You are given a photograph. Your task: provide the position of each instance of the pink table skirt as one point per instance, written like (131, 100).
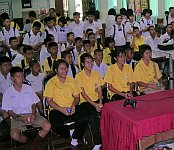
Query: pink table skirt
(122, 127)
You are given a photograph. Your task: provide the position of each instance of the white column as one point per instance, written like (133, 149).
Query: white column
(51, 3)
(160, 9)
(103, 8)
(71, 7)
(119, 5)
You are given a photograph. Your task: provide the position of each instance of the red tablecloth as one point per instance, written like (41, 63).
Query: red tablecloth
(122, 127)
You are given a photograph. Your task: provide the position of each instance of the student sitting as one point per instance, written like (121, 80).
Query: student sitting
(87, 33)
(129, 58)
(50, 61)
(78, 49)
(62, 30)
(5, 80)
(147, 73)
(34, 38)
(20, 55)
(72, 69)
(136, 41)
(62, 94)
(36, 79)
(20, 101)
(98, 65)
(166, 37)
(12, 52)
(50, 29)
(109, 48)
(70, 42)
(90, 83)
(28, 56)
(8, 32)
(119, 77)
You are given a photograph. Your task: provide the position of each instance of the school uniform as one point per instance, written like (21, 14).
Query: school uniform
(5, 83)
(63, 46)
(72, 71)
(110, 21)
(153, 43)
(168, 21)
(76, 55)
(138, 42)
(164, 38)
(13, 32)
(144, 23)
(17, 59)
(53, 32)
(132, 63)
(96, 46)
(93, 26)
(62, 94)
(107, 56)
(62, 34)
(118, 34)
(101, 69)
(27, 27)
(11, 54)
(25, 66)
(36, 81)
(77, 29)
(43, 54)
(129, 27)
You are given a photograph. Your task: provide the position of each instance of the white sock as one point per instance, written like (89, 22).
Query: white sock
(71, 132)
(74, 142)
(97, 147)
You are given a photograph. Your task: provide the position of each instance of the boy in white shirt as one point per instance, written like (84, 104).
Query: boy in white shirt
(167, 36)
(8, 32)
(77, 26)
(19, 56)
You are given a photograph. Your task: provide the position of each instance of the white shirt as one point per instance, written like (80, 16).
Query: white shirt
(132, 63)
(27, 27)
(5, 83)
(129, 27)
(110, 21)
(152, 42)
(170, 20)
(70, 71)
(33, 39)
(13, 53)
(119, 36)
(93, 26)
(76, 55)
(77, 29)
(17, 59)
(101, 69)
(36, 81)
(164, 37)
(65, 45)
(62, 34)
(52, 31)
(7, 34)
(144, 23)
(19, 102)
(44, 54)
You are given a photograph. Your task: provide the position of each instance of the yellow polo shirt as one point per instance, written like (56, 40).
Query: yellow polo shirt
(145, 73)
(89, 84)
(94, 48)
(25, 62)
(46, 66)
(120, 80)
(62, 93)
(138, 42)
(106, 56)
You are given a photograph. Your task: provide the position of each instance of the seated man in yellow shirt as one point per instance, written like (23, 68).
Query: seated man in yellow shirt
(50, 61)
(63, 94)
(136, 41)
(90, 83)
(147, 73)
(119, 77)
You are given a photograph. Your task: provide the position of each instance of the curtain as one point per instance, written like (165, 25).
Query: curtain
(167, 4)
(154, 8)
(112, 4)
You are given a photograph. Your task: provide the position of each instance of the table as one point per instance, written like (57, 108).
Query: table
(122, 127)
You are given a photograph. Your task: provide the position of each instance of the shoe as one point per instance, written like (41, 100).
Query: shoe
(74, 142)
(97, 147)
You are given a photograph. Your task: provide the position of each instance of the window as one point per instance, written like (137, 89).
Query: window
(112, 4)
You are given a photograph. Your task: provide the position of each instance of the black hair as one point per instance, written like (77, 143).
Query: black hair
(48, 39)
(108, 40)
(89, 30)
(116, 53)
(32, 14)
(123, 11)
(7, 18)
(50, 36)
(98, 50)
(58, 62)
(168, 25)
(65, 53)
(20, 45)
(27, 21)
(76, 14)
(47, 19)
(97, 14)
(27, 48)
(78, 39)
(52, 9)
(143, 48)
(58, 14)
(62, 19)
(15, 70)
(112, 11)
(171, 8)
(4, 16)
(150, 27)
(33, 62)
(91, 13)
(37, 24)
(118, 15)
(147, 11)
(130, 12)
(12, 38)
(83, 58)
(4, 59)
(166, 13)
(69, 33)
(135, 28)
(86, 42)
(90, 34)
(54, 19)
(51, 44)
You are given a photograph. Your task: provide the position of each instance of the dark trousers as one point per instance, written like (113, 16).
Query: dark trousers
(58, 121)
(105, 96)
(94, 121)
(117, 97)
